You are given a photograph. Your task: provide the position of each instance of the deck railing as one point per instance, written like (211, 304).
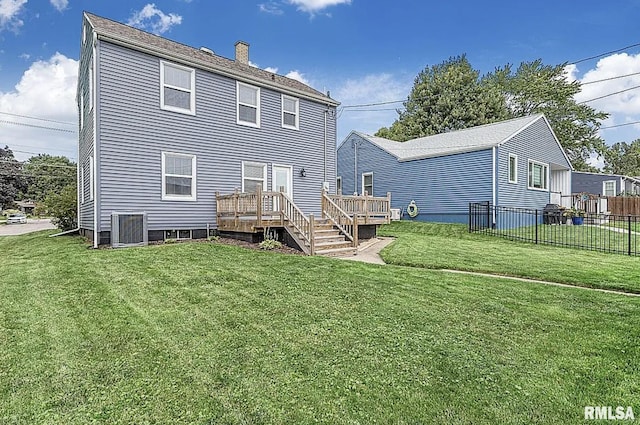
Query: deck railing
(261, 207)
(296, 218)
(347, 224)
(368, 209)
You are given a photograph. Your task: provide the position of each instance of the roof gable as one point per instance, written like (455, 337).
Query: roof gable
(141, 40)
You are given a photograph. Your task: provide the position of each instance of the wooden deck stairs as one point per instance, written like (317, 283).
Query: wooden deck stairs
(327, 239)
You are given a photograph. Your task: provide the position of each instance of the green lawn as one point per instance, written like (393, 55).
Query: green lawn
(201, 333)
(451, 246)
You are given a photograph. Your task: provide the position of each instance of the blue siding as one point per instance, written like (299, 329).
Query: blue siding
(537, 143)
(442, 187)
(85, 132)
(133, 131)
(593, 183)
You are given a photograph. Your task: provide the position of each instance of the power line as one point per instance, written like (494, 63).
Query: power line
(38, 126)
(604, 54)
(38, 165)
(610, 94)
(37, 118)
(40, 147)
(609, 79)
(619, 125)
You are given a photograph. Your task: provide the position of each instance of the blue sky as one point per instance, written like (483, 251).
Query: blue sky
(363, 51)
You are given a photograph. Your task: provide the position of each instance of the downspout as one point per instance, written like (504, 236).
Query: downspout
(494, 196)
(94, 60)
(355, 167)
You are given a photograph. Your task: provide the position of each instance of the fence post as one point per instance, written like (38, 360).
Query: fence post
(259, 206)
(312, 242)
(536, 226)
(629, 233)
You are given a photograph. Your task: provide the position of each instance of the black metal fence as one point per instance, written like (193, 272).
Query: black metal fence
(597, 232)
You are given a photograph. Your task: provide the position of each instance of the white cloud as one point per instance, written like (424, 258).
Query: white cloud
(271, 8)
(152, 19)
(60, 4)
(25, 56)
(623, 107)
(9, 11)
(46, 90)
(297, 75)
(373, 88)
(314, 6)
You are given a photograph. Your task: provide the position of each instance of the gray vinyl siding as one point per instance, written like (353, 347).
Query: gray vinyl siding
(592, 183)
(85, 138)
(536, 142)
(134, 131)
(441, 187)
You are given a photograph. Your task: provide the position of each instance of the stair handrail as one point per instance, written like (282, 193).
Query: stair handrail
(343, 221)
(297, 219)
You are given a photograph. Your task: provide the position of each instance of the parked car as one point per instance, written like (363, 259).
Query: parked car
(17, 219)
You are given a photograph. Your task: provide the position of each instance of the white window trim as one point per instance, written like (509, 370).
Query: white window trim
(515, 180)
(264, 173)
(81, 167)
(370, 173)
(297, 112)
(91, 83)
(91, 178)
(192, 92)
(192, 197)
(531, 161)
(604, 185)
(81, 111)
(338, 189)
(178, 238)
(257, 105)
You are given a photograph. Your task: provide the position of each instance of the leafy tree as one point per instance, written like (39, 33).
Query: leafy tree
(48, 174)
(11, 177)
(623, 158)
(538, 88)
(62, 206)
(446, 97)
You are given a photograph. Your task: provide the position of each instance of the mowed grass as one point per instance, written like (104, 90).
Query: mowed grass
(201, 333)
(451, 246)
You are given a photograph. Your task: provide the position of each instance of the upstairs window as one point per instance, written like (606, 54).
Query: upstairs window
(177, 88)
(248, 98)
(339, 185)
(538, 175)
(513, 169)
(178, 177)
(290, 114)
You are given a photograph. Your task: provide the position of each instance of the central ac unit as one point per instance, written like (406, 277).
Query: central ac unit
(395, 213)
(128, 229)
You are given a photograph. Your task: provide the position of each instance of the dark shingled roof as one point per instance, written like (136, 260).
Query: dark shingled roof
(134, 37)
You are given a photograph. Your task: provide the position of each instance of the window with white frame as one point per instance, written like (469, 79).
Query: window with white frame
(339, 184)
(91, 178)
(178, 176)
(254, 175)
(290, 112)
(248, 100)
(81, 185)
(367, 183)
(177, 88)
(538, 175)
(91, 86)
(513, 168)
(81, 111)
(609, 188)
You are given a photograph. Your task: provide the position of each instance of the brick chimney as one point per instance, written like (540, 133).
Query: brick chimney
(242, 52)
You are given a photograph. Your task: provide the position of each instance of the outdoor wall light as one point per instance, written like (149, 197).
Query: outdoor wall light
(303, 172)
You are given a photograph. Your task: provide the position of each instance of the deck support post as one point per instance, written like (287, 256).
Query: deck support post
(312, 239)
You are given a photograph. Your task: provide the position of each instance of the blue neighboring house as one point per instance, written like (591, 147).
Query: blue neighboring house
(163, 127)
(604, 184)
(514, 163)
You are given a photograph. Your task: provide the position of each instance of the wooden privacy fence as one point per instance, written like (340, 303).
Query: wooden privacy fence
(624, 205)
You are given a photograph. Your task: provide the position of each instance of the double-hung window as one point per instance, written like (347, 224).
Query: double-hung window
(538, 175)
(178, 177)
(177, 88)
(367, 184)
(254, 176)
(513, 168)
(609, 188)
(339, 185)
(248, 100)
(290, 112)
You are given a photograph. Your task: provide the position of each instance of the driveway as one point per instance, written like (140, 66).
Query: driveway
(33, 225)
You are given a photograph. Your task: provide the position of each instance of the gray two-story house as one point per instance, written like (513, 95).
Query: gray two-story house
(165, 127)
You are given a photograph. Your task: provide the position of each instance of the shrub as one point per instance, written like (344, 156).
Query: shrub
(270, 244)
(63, 208)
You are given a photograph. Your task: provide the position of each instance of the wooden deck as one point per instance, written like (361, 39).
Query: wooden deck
(336, 230)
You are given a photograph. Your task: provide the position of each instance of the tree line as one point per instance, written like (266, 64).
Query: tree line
(48, 180)
(453, 95)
